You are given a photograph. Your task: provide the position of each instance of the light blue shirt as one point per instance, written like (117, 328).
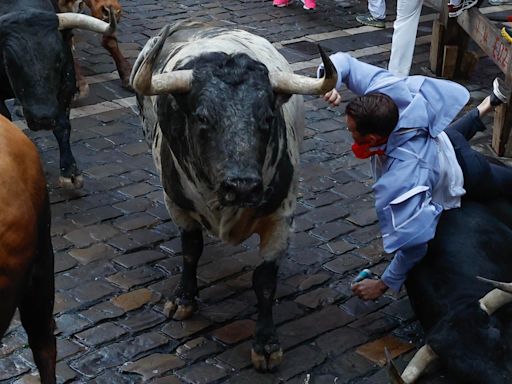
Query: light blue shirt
(409, 170)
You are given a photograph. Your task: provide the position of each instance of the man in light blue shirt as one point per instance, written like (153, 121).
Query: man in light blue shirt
(421, 167)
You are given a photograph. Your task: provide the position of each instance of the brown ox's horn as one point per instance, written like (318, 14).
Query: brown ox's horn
(76, 20)
(290, 83)
(143, 80)
(414, 369)
(496, 298)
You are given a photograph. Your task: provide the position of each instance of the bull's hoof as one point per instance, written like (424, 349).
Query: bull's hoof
(73, 182)
(83, 91)
(267, 362)
(178, 311)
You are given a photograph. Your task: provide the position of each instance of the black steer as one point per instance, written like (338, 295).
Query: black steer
(36, 67)
(468, 328)
(225, 127)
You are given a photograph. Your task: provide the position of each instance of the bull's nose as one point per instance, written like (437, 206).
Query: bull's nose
(242, 190)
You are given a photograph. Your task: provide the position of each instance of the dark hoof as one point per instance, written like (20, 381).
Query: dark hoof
(83, 91)
(73, 182)
(178, 311)
(267, 362)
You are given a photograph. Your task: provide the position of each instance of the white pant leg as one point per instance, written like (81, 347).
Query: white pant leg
(404, 36)
(377, 8)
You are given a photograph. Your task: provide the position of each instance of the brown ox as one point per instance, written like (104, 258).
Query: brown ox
(26, 254)
(100, 10)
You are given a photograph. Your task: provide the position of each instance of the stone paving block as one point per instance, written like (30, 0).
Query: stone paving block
(374, 351)
(12, 341)
(303, 282)
(226, 310)
(215, 293)
(219, 269)
(135, 277)
(138, 204)
(100, 334)
(135, 259)
(318, 297)
(400, 309)
(136, 190)
(153, 365)
(134, 300)
(102, 311)
(95, 252)
(69, 324)
(349, 367)
(312, 325)
(359, 308)
(375, 324)
(202, 373)
(167, 380)
(327, 214)
(364, 217)
(303, 240)
(92, 291)
(250, 376)
(63, 262)
(238, 357)
(235, 332)
(67, 348)
(336, 342)
(330, 231)
(298, 360)
(309, 256)
(198, 348)
(135, 221)
(166, 287)
(64, 303)
(339, 247)
(285, 311)
(345, 263)
(180, 329)
(101, 171)
(138, 321)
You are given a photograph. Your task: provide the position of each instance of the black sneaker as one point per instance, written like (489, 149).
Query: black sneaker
(500, 92)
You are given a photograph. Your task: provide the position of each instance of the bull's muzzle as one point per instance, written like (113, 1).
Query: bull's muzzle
(241, 191)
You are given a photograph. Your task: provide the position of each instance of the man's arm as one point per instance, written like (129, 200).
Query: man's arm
(405, 259)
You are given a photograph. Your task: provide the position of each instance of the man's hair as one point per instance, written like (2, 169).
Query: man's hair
(373, 113)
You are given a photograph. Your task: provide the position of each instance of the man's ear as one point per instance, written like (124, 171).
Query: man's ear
(373, 139)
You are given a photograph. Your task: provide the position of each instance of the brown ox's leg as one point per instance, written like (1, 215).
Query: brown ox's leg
(81, 83)
(123, 66)
(36, 308)
(184, 304)
(266, 353)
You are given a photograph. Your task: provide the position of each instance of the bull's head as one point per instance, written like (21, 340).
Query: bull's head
(42, 79)
(221, 111)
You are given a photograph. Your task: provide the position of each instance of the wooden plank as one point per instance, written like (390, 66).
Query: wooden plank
(436, 47)
(449, 61)
(487, 36)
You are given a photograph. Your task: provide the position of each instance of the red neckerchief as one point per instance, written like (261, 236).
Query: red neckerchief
(363, 151)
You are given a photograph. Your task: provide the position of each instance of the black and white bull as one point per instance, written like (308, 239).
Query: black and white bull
(36, 67)
(468, 326)
(221, 111)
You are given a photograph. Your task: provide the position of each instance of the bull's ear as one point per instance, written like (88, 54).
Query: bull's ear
(281, 98)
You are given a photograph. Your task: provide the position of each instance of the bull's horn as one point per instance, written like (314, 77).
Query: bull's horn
(290, 83)
(496, 298)
(76, 20)
(143, 80)
(414, 369)
(507, 287)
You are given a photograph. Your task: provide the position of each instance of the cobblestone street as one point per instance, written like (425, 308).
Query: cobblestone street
(118, 254)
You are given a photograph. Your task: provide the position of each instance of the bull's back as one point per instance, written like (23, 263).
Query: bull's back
(471, 241)
(22, 197)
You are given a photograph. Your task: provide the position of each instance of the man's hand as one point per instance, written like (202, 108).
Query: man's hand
(369, 289)
(333, 97)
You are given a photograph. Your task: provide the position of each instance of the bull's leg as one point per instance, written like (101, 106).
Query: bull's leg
(81, 82)
(123, 66)
(70, 176)
(266, 354)
(185, 304)
(36, 309)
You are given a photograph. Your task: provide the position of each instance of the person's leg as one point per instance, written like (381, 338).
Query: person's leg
(377, 9)
(404, 36)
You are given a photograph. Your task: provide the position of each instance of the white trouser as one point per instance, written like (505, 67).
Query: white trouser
(377, 8)
(404, 36)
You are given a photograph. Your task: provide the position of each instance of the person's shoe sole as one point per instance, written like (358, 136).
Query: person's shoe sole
(500, 90)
